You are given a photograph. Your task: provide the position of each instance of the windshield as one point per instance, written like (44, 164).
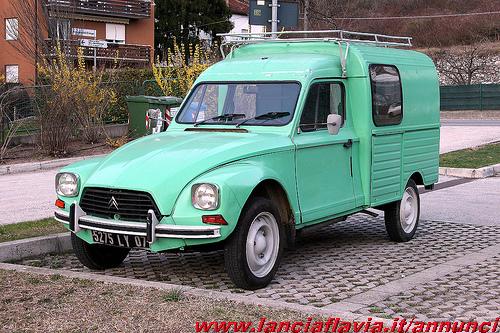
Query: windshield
(241, 103)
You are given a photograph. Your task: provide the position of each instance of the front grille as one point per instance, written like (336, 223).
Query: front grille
(127, 205)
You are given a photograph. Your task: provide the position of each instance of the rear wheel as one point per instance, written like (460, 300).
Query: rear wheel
(253, 253)
(97, 256)
(401, 217)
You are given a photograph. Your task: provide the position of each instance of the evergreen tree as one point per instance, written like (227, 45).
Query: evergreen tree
(184, 19)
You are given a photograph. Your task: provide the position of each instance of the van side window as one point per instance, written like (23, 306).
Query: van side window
(323, 99)
(387, 104)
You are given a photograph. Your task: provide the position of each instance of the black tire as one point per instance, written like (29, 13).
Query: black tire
(235, 254)
(97, 256)
(395, 223)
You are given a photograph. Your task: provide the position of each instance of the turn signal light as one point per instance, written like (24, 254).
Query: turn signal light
(213, 219)
(60, 204)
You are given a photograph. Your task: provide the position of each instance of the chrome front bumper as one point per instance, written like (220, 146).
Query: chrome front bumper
(78, 220)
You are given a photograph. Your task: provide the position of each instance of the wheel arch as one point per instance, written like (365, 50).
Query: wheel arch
(417, 178)
(273, 190)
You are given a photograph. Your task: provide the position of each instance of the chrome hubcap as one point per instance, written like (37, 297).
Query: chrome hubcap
(262, 244)
(409, 210)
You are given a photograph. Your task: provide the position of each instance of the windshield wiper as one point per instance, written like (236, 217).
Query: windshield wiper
(266, 116)
(228, 116)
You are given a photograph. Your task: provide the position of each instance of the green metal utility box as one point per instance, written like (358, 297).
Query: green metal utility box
(138, 107)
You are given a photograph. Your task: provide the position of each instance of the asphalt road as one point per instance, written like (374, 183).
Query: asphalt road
(27, 196)
(475, 202)
(470, 122)
(460, 137)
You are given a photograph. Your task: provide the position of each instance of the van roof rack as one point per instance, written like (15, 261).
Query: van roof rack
(338, 36)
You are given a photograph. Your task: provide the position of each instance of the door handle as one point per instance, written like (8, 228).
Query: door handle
(348, 143)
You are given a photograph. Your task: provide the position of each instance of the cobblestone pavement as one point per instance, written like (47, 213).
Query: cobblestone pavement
(334, 263)
(472, 293)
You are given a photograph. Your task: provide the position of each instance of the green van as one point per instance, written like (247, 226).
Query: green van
(282, 135)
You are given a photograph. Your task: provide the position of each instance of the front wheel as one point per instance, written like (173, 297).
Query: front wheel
(97, 256)
(253, 252)
(401, 217)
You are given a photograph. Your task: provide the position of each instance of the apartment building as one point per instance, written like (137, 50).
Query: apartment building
(239, 18)
(110, 33)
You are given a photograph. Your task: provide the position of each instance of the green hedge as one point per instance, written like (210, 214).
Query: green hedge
(129, 82)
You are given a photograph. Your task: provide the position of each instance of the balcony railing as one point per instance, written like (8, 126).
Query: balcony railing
(132, 9)
(122, 54)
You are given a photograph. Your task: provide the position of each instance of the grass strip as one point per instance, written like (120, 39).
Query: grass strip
(11, 232)
(472, 158)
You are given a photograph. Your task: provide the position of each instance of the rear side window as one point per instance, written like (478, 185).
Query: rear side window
(387, 100)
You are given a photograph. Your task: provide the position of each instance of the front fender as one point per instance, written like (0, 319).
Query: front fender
(236, 182)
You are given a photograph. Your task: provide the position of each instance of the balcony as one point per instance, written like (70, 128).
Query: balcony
(121, 54)
(129, 9)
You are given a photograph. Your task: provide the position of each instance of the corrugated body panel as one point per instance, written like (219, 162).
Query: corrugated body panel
(386, 168)
(421, 153)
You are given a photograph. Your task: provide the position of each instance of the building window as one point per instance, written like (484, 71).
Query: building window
(323, 99)
(60, 29)
(387, 103)
(115, 33)
(12, 73)
(11, 29)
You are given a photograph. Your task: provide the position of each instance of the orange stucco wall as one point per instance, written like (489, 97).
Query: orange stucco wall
(13, 52)
(140, 32)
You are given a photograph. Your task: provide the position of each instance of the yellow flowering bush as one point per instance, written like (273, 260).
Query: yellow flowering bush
(74, 98)
(183, 66)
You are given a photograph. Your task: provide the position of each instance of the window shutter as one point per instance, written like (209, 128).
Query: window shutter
(110, 31)
(120, 33)
(115, 32)
(11, 29)
(12, 74)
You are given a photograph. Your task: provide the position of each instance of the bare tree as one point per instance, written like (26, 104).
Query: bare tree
(11, 120)
(368, 15)
(463, 65)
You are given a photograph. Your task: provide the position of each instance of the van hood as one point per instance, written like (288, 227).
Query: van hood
(164, 164)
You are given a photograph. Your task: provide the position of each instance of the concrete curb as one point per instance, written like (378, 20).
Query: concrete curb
(33, 247)
(60, 243)
(487, 171)
(44, 165)
(196, 292)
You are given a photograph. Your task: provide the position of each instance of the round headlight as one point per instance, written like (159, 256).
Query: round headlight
(67, 184)
(205, 196)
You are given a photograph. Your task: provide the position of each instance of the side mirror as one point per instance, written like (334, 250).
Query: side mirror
(333, 123)
(394, 110)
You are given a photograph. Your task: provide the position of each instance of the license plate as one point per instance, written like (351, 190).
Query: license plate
(108, 238)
